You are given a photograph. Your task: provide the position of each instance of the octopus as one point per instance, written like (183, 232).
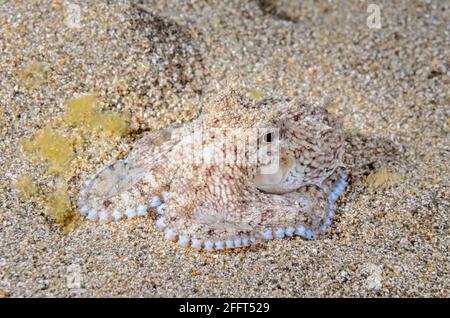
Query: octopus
(243, 172)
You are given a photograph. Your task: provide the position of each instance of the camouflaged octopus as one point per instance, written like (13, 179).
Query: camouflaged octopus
(243, 172)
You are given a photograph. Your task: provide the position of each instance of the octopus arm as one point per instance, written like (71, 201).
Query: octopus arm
(126, 188)
(215, 210)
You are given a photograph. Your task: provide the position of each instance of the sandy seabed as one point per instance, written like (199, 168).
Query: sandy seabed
(159, 62)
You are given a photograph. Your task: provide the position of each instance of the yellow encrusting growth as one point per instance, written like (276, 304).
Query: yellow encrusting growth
(52, 147)
(83, 113)
(60, 208)
(33, 74)
(381, 179)
(255, 94)
(57, 143)
(25, 185)
(58, 204)
(112, 125)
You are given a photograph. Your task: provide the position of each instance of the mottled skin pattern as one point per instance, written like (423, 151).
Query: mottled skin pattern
(207, 200)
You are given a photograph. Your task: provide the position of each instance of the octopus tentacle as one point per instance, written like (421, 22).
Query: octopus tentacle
(197, 218)
(125, 188)
(185, 239)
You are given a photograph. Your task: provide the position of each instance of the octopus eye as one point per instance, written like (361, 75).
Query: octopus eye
(268, 138)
